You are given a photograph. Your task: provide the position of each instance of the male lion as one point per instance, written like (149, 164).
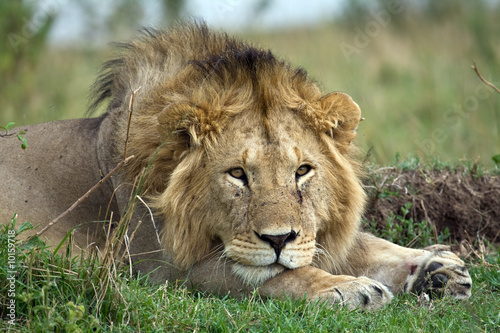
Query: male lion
(249, 171)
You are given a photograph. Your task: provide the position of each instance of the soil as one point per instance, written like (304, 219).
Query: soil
(466, 203)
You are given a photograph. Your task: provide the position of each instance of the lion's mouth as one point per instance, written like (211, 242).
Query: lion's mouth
(256, 262)
(257, 275)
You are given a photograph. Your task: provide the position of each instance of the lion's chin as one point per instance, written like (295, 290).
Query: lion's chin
(256, 275)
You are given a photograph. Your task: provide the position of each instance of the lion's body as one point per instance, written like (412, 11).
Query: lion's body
(58, 167)
(248, 168)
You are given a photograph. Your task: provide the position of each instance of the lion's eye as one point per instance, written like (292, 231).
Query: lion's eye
(238, 173)
(302, 170)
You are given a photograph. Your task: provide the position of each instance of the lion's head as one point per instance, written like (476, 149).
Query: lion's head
(246, 153)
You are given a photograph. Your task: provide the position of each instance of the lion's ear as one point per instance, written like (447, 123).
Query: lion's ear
(341, 118)
(177, 123)
(169, 120)
(188, 124)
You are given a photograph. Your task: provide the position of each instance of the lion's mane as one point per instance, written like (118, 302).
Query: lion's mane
(190, 84)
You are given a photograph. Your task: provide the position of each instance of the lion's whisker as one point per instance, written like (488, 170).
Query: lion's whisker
(324, 259)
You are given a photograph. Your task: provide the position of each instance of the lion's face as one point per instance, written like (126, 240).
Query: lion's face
(257, 168)
(266, 190)
(277, 191)
(271, 187)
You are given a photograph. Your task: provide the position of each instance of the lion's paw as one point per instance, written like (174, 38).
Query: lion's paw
(440, 273)
(361, 293)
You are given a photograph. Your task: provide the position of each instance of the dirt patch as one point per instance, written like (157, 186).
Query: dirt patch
(466, 203)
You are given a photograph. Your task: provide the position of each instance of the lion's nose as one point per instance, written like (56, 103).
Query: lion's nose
(278, 242)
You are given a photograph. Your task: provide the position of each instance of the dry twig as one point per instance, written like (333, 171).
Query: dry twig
(85, 196)
(130, 110)
(474, 67)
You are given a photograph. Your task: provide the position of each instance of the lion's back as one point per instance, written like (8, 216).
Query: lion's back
(58, 166)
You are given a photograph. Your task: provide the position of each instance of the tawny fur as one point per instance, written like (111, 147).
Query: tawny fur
(248, 168)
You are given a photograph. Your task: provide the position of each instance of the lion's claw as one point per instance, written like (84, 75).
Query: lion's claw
(361, 293)
(441, 273)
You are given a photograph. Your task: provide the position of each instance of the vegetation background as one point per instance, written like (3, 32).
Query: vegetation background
(407, 63)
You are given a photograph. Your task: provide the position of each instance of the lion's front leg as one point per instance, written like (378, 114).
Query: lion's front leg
(314, 283)
(436, 273)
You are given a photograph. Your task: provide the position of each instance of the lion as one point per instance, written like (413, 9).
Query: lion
(245, 171)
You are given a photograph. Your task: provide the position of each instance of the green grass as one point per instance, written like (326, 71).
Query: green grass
(60, 294)
(403, 230)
